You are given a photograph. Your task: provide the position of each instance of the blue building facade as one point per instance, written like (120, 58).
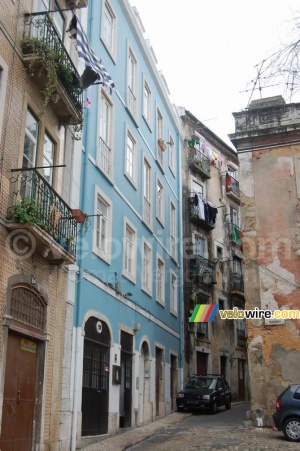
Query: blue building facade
(127, 324)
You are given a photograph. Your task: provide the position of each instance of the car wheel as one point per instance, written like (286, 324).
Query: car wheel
(214, 407)
(291, 429)
(179, 409)
(228, 404)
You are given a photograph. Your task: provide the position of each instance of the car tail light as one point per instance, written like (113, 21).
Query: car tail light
(278, 405)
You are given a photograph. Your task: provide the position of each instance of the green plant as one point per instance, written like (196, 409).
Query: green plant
(55, 64)
(27, 211)
(85, 226)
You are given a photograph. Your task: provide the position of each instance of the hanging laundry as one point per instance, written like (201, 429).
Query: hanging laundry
(237, 237)
(201, 211)
(195, 200)
(228, 181)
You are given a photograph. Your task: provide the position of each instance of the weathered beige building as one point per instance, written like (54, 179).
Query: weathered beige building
(212, 255)
(39, 107)
(267, 138)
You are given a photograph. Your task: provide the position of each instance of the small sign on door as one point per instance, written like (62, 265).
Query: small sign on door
(27, 345)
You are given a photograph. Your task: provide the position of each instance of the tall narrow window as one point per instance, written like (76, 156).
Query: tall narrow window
(30, 150)
(173, 293)
(160, 202)
(108, 30)
(234, 216)
(129, 258)
(199, 246)
(147, 268)
(48, 155)
(160, 281)
(101, 227)
(104, 151)
(59, 22)
(147, 193)
(160, 136)
(173, 230)
(132, 84)
(130, 169)
(172, 155)
(147, 103)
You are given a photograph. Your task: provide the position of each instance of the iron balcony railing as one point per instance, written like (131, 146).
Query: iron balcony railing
(41, 36)
(201, 265)
(38, 204)
(232, 186)
(237, 282)
(200, 161)
(235, 233)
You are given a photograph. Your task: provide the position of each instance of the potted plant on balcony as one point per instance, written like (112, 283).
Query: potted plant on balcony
(161, 144)
(81, 218)
(27, 211)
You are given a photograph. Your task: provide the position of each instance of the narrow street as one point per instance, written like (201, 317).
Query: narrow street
(206, 432)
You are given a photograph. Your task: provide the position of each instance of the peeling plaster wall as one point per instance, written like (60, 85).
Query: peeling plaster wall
(270, 211)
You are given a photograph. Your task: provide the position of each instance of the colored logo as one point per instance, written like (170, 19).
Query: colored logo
(204, 313)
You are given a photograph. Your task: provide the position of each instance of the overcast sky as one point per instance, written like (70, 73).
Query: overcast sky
(208, 50)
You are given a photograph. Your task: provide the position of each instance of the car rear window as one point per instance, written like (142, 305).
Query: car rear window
(201, 382)
(296, 394)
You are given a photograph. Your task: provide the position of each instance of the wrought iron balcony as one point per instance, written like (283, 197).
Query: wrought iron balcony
(235, 234)
(203, 218)
(200, 163)
(38, 209)
(241, 337)
(48, 61)
(203, 267)
(232, 187)
(237, 282)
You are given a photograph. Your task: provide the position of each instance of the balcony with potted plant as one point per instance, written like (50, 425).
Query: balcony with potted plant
(40, 220)
(50, 66)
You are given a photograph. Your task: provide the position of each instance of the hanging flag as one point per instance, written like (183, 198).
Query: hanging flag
(94, 69)
(228, 181)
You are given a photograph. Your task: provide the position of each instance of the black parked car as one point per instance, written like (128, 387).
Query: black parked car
(204, 392)
(287, 416)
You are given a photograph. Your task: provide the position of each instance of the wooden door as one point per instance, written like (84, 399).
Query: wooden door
(241, 380)
(202, 358)
(19, 394)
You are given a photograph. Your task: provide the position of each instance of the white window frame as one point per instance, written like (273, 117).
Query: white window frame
(109, 43)
(196, 237)
(147, 192)
(103, 254)
(160, 280)
(234, 215)
(3, 84)
(131, 275)
(147, 103)
(173, 230)
(132, 83)
(172, 155)
(131, 162)
(160, 202)
(105, 147)
(147, 276)
(173, 293)
(159, 135)
(48, 160)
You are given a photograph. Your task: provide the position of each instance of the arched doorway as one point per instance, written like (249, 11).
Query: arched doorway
(145, 411)
(21, 412)
(95, 381)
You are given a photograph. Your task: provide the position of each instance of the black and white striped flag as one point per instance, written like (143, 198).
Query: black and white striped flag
(94, 69)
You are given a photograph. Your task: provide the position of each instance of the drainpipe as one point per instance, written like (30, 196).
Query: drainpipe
(77, 356)
(181, 295)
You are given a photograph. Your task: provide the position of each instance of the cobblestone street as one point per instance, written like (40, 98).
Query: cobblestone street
(198, 432)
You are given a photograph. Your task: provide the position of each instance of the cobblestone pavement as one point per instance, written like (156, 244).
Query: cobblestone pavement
(184, 432)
